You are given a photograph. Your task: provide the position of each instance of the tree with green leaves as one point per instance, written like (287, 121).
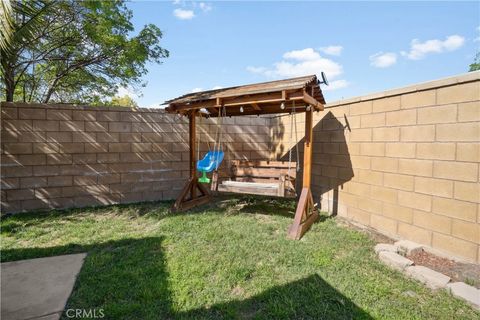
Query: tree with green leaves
(74, 51)
(123, 101)
(476, 63)
(5, 23)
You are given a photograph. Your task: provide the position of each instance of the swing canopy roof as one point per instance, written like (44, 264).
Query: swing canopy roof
(254, 99)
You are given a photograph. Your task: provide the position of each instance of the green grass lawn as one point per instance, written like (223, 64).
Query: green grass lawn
(230, 260)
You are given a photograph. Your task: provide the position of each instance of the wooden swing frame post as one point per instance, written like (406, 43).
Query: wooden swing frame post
(193, 193)
(192, 137)
(273, 97)
(306, 213)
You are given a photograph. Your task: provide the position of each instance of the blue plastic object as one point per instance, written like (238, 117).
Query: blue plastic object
(210, 162)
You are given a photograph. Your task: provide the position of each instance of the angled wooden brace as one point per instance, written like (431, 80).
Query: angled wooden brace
(193, 194)
(305, 215)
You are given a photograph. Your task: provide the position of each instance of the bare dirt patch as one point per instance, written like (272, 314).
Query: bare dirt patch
(238, 291)
(458, 271)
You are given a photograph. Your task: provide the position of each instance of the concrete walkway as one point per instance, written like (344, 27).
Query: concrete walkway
(38, 288)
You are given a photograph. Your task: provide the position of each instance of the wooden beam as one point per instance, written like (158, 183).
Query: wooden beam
(262, 163)
(250, 188)
(261, 98)
(271, 107)
(195, 202)
(258, 101)
(303, 228)
(312, 101)
(213, 111)
(265, 103)
(183, 194)
(186, 200)
(249, 98)
(307, 151)
(265, 109)
(192, 144)
(263, 172)
(193, 193)
(306, 213)
(305, 216)
(256, 107)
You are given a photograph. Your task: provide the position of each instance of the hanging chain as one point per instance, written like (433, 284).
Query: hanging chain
(291, 136)
(223, 112)
(216, 132)
(296, 138)
(228, 147)
(199, 136)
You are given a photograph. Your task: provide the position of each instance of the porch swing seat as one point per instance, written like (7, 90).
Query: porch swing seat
(265, 189)
(266, 178)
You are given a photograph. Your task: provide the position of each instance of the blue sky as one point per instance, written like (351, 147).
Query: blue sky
(363, 47)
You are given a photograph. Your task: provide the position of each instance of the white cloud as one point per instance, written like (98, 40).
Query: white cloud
(196, 90)
(332, 50)
(289, 69)
(183, 14)
(302, 55)
(217, 87)
(383, 60)
(126, 91)
(337, 84)
(302, 62)
(418, 50)
(205, 7)
(188, 8)
(453, 42)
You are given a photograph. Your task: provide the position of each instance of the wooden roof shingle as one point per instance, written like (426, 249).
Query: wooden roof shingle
(257, 98)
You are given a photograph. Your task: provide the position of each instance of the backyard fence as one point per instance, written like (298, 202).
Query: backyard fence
(404, 162)
(61, 156)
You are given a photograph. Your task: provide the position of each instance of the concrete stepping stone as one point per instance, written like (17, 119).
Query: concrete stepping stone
(38, 288)
(385, 247)
(432, 279)
(464, 291)
(407, 247)
(394, 260)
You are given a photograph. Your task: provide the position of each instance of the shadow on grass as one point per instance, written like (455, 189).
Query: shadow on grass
(156, 209)
(308, 298)
(128, 280)
(259, 205)
(250, 204)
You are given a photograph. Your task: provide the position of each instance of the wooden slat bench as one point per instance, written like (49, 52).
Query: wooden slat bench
(268, 178)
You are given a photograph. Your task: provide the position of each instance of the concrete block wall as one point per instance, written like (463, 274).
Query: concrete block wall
(61, 156)
(404, 162)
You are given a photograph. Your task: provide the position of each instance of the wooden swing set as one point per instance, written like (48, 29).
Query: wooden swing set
(268, 178)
